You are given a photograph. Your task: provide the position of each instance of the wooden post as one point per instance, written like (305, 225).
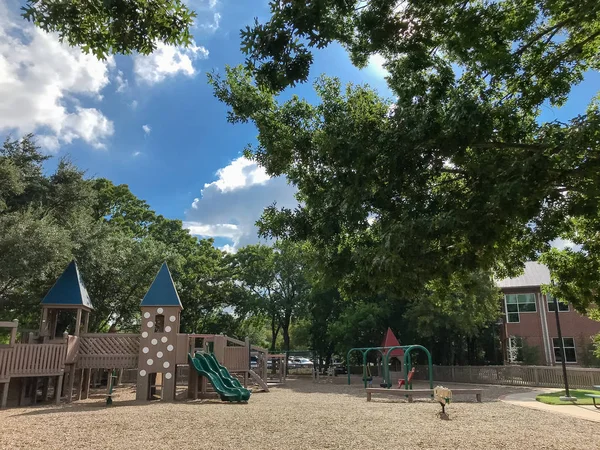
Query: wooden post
(79, 384)
(33, 390)
(78, 323)
(536, 378)
(478, 397)
(44, 326)
(45, 384)
(368, 396)
(86, 322)
(13, 333)
(87, 375)
(58, 388)
(4, 400)
(71, 384)
(23, 393)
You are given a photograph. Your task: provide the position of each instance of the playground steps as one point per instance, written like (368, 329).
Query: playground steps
(258, 380)
(411, 393)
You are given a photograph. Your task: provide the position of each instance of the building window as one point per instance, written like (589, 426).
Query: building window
(518, 303)
(159, 323)
(562, 306)
(515, 349)
(570, 354)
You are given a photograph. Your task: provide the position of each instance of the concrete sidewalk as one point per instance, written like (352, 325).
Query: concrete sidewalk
(527, 400)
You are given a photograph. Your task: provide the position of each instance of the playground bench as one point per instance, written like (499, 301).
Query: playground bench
(594, 397)
(410, 393)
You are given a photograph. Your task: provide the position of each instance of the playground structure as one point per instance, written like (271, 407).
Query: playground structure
(65, 362)
(385, 353)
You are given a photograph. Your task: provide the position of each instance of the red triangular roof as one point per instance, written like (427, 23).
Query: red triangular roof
(390, 341)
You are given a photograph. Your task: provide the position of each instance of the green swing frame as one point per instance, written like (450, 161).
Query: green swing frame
(385, 354)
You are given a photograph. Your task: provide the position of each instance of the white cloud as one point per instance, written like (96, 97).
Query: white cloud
(146, 129)
(133, 104)
(240, 173)
(122, 83)
(562, 244)
(40, 82)
(375, 65)
(167, 61)
(137, 153)
(214, 24)
(230, 206)
(228, 248)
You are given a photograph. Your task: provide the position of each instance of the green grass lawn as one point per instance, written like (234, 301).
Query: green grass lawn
(554, 397)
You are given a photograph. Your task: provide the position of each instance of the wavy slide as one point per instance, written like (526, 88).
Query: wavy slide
(225, 387)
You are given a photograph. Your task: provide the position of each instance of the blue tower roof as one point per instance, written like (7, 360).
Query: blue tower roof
(69, 289)
(162, 292)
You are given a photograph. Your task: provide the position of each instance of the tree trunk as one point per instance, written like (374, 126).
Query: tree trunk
(275, 326)
(285, 326)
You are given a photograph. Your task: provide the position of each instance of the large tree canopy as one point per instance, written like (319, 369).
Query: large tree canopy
(105, 27)
(458, 172)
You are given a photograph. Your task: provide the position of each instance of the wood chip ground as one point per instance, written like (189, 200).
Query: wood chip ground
(298, 415)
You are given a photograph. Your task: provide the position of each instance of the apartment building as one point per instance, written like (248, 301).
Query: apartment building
(529, 320)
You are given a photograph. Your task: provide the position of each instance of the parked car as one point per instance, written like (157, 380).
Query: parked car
(302, 362)
(253, 362)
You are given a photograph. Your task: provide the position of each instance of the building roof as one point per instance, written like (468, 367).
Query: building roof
(390, 341)
(535, 274)
(68, 290)
(162, 292)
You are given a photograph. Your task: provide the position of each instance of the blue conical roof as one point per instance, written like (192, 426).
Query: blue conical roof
(162, 292)
(69, 289)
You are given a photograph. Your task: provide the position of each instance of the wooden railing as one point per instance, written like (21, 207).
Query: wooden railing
(5, 355)
(514, 375)
(236, 358)
(29, 360)
(108, 351)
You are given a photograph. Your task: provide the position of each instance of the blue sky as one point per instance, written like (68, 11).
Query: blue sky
(153, 123)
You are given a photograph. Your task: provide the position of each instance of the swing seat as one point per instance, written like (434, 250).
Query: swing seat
(410, 377)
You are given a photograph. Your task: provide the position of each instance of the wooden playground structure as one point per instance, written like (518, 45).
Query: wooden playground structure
(62, 364)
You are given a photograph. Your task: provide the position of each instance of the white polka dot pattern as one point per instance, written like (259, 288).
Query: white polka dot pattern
(145, 334)
(170, 348)
(150, 361)
(159, 355)
(145, 349)
(159, 311)
(167, 329)
(150, 324)
(163, 339)
(154, 341)
(172, 318)
(166, 364)
(142, 373)
(168, 376)
(146, 315)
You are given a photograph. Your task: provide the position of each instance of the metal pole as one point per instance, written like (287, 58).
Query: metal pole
(562, 347)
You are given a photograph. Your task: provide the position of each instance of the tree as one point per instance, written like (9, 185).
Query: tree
(459, 171)
(114, 26)
(276, 285)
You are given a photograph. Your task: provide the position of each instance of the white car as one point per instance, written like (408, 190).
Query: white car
(302, 362)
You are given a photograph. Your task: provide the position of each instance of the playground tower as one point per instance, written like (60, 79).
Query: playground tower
(157, 363)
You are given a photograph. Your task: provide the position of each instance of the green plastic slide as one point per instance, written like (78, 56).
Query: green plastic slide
(217, 367)
(230, 394)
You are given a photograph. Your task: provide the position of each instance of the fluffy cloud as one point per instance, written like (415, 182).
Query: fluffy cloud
(167, 61)
(121, 81)
(375, 65)
(39, 81)
(230, 206)
(214, 25)
(146, 129)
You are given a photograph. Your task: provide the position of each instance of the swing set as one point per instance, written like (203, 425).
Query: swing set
(385, 353)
